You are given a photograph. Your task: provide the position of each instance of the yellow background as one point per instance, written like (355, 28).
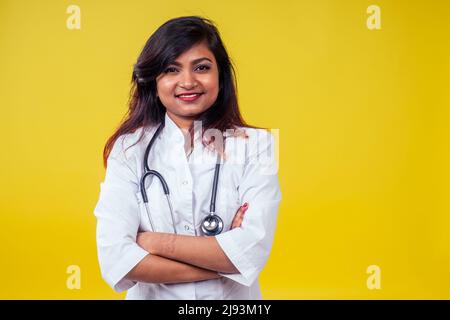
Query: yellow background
(364, 138)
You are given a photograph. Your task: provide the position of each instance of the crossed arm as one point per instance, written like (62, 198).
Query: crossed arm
(180, 258)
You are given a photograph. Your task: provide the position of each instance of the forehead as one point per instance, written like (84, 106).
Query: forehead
(199, 50)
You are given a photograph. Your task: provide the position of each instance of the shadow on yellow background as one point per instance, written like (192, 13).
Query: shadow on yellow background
(364, 138)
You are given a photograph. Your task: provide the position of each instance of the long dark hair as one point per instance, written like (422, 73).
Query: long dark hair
(168, 42)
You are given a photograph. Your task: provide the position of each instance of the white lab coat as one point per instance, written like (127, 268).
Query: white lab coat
(249, 174)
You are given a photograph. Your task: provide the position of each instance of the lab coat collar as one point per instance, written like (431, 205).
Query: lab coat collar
(171, 130)
(173, 133)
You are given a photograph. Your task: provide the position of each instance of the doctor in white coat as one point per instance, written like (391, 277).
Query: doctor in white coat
(189, 88)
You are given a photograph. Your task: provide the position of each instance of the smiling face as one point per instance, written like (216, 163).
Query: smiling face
(190, 85)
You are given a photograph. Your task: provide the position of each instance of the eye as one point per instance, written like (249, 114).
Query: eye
(170, 69)
(203, 67)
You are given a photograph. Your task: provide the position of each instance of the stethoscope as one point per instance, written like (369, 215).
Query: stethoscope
(212, 224)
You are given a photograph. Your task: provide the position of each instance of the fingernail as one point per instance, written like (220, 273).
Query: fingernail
(245, 205)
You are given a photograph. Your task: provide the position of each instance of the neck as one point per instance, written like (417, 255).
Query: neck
(184, 123)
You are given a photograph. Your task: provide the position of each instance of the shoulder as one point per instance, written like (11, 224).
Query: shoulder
(249, 133)
(247, 145)
(254, 138)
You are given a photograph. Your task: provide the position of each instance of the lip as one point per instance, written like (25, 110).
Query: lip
(189, 99)
(187, 93)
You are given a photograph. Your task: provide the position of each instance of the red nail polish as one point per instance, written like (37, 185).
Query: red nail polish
(245, 205)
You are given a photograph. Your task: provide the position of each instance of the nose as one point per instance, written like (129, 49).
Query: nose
(188, 80)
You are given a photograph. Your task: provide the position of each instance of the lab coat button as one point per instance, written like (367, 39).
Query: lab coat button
(186, 227)
(185, 182)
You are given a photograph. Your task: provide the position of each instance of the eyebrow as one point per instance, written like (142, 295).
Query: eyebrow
(195, 61)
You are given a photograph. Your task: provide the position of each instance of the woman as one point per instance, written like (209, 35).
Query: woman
(184, 97)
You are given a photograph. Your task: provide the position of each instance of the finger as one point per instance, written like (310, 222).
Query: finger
(239, 217)
(239, 212)
(242, 209)
(236, 221)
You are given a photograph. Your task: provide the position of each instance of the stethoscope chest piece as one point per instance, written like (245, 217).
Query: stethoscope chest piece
(212, 225)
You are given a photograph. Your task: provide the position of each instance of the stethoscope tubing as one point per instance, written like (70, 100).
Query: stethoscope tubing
(149, 172)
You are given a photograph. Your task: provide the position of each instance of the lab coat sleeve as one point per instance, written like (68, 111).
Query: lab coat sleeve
(117, 216)
(248, 247)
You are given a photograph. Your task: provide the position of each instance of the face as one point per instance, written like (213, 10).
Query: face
(190, 85)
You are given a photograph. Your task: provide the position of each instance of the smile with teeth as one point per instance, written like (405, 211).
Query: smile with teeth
(188, 95)
(191, 97)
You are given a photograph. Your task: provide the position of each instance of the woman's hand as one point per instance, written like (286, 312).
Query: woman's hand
(239, 216)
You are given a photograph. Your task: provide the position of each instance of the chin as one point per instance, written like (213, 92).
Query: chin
(189, 111)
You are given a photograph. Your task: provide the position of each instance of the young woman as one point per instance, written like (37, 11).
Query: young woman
(182, 169)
